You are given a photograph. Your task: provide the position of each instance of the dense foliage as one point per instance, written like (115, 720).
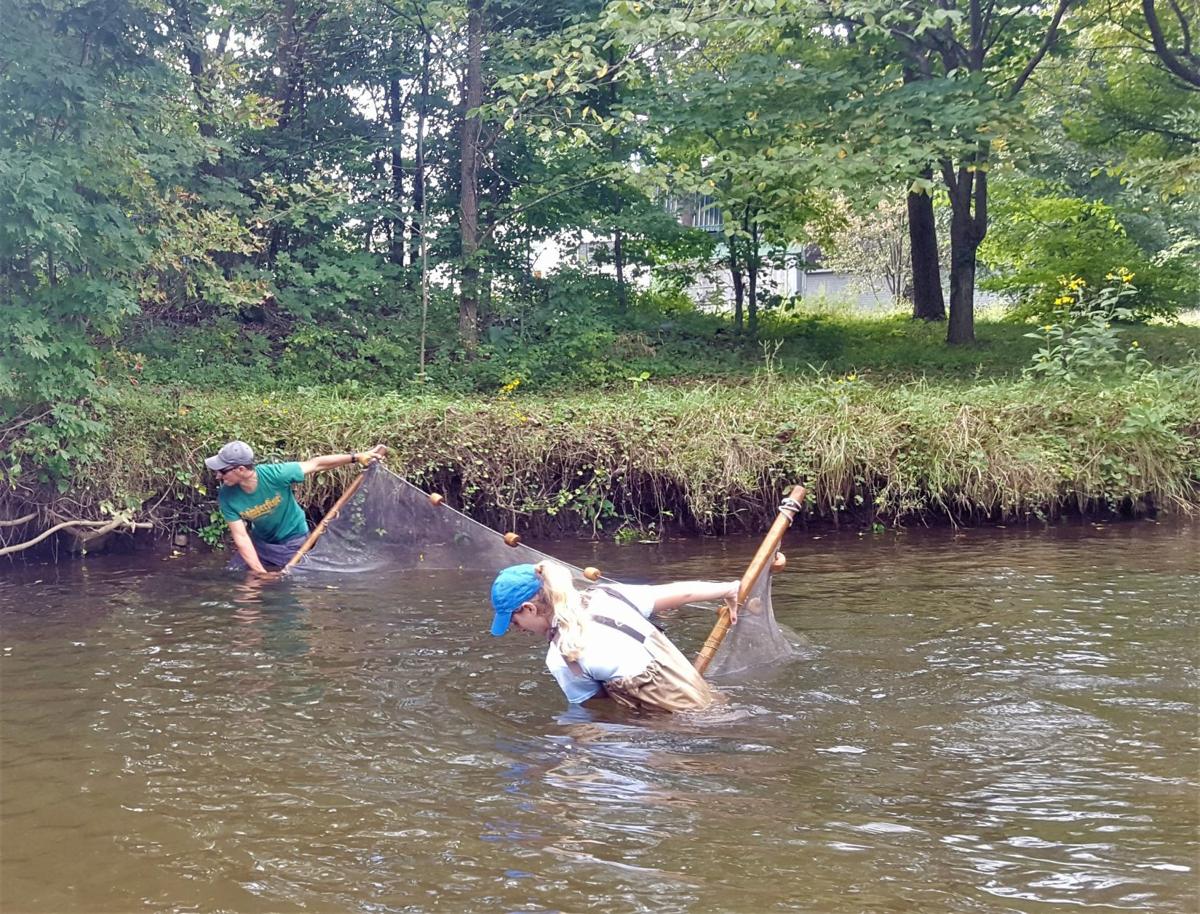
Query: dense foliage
(225, 196)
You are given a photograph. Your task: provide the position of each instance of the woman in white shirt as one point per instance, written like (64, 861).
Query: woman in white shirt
(602, 642)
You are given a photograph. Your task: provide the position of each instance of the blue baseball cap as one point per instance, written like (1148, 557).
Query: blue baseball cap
(515, 585)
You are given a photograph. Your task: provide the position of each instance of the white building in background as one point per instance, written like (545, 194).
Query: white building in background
(713, 289)
(796, 273)
(812, 284)
(798, 276)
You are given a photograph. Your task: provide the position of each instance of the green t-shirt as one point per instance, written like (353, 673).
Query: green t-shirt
(271, 509)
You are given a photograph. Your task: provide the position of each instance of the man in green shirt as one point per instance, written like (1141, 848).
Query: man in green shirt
(266, 521)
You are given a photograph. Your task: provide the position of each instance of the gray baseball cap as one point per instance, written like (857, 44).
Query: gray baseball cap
(233, 454)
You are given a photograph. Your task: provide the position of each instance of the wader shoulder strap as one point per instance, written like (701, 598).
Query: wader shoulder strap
(617, 595)
(621, 627)
(573, 665)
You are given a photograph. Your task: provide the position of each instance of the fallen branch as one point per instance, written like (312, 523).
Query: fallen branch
(18, 521)
(106, 526)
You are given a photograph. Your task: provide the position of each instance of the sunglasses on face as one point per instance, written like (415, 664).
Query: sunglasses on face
(224, 471)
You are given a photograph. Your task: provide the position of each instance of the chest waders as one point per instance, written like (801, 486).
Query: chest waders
(668, 683)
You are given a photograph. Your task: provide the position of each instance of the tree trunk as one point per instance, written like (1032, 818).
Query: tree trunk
(961, 328)
(487, 272)
(396, 116)
(928, 301)
(897, 271)
(619, 264)
(735, 274)
(468, 204)
(420, 238)
(753, 263)
(968, 225)
(614, 146)
(286, 53)
(418, 189)
(192, 34)
(485, 293)
(274, 243)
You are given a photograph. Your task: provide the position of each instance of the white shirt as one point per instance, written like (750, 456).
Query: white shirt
(608, 652)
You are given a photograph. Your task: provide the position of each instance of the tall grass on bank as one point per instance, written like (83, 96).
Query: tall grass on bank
(702, 457)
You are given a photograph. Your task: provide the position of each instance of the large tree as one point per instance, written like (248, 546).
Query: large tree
(975, 57)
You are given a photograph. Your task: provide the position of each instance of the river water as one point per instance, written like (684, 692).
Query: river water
(979, 721)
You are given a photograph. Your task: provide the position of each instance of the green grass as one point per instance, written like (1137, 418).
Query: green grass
(660, 423)
(682, 347)
(705, 456)
(897, 347)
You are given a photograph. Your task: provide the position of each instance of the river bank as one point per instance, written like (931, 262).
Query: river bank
(694, 458)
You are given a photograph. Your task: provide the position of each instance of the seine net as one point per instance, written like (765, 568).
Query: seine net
(756, 644)
(391, 525)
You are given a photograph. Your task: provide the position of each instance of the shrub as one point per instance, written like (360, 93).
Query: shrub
(1082, 342)
(1039, 234)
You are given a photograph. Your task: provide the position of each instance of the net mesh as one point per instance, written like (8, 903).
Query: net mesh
(756, 644)
(390, 524)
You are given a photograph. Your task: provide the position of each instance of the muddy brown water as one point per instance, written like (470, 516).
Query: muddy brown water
(979, 721)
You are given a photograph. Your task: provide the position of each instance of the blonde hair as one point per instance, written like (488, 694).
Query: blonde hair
(566, 605)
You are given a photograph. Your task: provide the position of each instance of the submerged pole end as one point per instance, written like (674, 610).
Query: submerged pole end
(779, 564)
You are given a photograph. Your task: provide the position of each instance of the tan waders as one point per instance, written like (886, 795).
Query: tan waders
(669, 683)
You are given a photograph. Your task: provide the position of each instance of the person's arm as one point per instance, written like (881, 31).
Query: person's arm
(670, 596)
(332, 461)
(245, 548)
